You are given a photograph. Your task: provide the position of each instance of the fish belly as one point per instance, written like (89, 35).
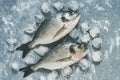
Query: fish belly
(56, 65)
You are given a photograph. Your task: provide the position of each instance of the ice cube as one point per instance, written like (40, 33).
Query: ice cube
(94, 32)
(45, 7)
(29, 30)
(39, 18)
(29, 60)
(85, 38)
(25, 39)
(2, 67)
(58, 5)
(67, 71)
(11, 41)
(97, 42)
(29, 78)
(85, 27)
(41, 50)
(97, 56)
(74, 34)
(42, 78)
(15, 66)
(53, 75)
(11, 48)
(73, 5)
(84, 64)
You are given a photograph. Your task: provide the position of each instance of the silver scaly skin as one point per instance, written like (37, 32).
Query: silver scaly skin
(51, 30)
(59, 57)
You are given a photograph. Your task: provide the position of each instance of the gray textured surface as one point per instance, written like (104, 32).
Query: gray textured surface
(17, 14)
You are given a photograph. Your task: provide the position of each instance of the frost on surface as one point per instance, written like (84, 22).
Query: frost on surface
(2, 68)
(15, 15)
(29, 30)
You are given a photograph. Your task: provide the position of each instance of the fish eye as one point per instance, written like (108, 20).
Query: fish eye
(79, 47)
(71, 49)
(64, 19)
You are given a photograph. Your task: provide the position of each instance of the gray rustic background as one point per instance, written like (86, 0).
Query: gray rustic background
(17, 14)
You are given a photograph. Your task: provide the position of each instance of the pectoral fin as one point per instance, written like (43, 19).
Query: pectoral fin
(60, 31)
(65, 59)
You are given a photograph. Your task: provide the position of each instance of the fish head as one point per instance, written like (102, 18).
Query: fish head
(70, 19)
(78, 51)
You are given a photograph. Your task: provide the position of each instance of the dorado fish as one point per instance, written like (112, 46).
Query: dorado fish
(51, 30)
(59, 57)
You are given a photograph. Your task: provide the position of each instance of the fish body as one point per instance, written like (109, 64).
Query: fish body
(59, 57)
(51, 30)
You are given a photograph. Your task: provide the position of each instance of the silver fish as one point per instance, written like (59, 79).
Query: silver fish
(58, 58)
(51, 30)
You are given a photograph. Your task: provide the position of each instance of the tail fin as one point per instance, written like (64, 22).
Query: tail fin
(27, 70)
(25, 48)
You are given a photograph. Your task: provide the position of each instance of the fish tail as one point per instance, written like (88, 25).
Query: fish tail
(25, 48)
(27, 70)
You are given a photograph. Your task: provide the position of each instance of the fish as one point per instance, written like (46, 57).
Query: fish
(52, 29)
(61, 56)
